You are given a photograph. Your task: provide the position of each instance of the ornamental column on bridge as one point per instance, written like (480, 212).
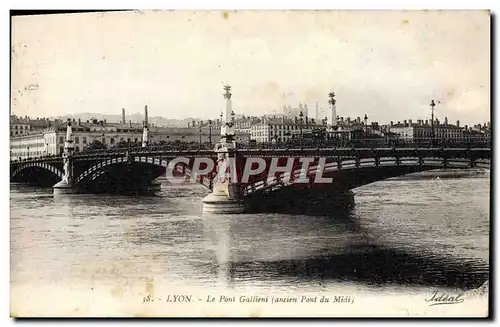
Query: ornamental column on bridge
(145, 128)
(66, 185)
(332, 111)
(225, 196)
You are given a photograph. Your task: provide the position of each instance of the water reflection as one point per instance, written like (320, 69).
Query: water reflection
(405, 233)
(329, 251)
(217, 233)
(375, 265)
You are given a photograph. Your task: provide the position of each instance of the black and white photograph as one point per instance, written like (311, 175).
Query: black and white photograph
(250, 163)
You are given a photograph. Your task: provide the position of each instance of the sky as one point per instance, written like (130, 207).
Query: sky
(386, 64)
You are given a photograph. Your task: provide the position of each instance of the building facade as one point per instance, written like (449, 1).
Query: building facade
(19, 129)
(281, 129)
(411, 131)
(50, 141)
(19, 126)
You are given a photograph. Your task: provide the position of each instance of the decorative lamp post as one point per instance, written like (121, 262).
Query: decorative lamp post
(433, 104)
(210, 133)
(301, 115)
(199, 129)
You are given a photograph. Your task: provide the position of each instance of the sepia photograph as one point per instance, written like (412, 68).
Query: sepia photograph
(250, 163)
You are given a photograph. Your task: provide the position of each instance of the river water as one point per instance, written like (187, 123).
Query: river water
(413, 233)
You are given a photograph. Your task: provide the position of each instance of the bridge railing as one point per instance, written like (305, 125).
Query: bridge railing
(38, 158)
(359, 143)
(478, 142)
(372, 143)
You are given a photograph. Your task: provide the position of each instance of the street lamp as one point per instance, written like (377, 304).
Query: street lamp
(210, 133)
(432, 120)
(199, 129)
(301, 115)
(366, 124)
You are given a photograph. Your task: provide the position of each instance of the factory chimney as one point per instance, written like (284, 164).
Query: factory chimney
(123, 115)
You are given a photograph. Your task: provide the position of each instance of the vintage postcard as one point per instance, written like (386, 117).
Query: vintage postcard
(279, 163)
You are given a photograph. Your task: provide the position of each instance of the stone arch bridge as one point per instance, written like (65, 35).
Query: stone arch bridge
(256, 176)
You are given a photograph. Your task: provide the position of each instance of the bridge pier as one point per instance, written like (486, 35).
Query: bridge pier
(63, 187)
(225, 197)
(66, 185)
(221, 202)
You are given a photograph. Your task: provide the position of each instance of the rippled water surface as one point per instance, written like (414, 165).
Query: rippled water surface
(401, 233)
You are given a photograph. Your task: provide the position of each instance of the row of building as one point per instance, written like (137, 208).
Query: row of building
(39, 137)
(283, 129)
(35, 140)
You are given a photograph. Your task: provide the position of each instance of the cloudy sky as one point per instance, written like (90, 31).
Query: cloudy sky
(388, 65)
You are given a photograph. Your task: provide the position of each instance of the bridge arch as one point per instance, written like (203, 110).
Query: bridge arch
(43, 165)
(387, 167)
(36, 173)
(99, 169)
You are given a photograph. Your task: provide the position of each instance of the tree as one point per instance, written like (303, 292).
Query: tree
(121, 144)
(95, 145)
